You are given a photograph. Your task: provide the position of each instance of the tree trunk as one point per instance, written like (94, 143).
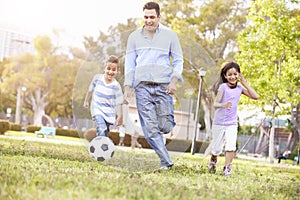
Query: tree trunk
(207, 120)
(38, 106)
(271, 141)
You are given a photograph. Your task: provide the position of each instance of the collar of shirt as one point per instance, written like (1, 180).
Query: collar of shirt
(158, 29)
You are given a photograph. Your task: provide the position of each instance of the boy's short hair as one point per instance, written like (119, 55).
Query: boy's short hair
(113, 59)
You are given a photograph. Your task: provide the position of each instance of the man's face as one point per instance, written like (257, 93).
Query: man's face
(151, 20)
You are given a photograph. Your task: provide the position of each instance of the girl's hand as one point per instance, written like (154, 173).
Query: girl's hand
(241, 78)
(227, 105)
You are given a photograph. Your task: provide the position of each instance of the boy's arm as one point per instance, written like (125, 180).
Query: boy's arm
(119, 113)
(87, 99)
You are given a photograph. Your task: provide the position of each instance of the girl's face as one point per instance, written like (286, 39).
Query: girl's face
(232, 76)
(111, 70)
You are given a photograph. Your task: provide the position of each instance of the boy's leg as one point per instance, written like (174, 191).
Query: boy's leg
(101, 126)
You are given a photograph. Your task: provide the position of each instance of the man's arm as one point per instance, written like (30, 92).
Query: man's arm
(177, 58)
(129, 69)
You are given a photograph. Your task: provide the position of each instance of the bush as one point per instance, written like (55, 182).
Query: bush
(90, 134)
(15, 127)
(67, 132)
(4, 126)
(32, 128)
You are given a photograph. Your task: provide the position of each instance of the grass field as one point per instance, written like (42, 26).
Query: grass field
(39, 170)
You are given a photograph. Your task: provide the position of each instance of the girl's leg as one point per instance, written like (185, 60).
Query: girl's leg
(230, 147)
(216, 146)
(228, 157)
(212, 167)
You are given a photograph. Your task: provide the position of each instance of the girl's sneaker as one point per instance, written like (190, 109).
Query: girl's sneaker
(226, 170)
(212, 167)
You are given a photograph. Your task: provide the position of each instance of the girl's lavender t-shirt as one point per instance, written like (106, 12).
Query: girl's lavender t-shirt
(223, 116)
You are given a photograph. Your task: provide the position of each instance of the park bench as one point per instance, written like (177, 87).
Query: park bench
(46, 131)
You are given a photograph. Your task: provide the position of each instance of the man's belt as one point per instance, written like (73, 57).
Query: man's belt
(150, 83)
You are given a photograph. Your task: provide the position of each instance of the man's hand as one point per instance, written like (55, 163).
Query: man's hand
(127, 94)
(171, 89)
(119, 120)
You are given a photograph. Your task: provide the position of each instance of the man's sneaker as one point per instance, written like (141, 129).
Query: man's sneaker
(164, 168)
(212, 167)
(226, 170)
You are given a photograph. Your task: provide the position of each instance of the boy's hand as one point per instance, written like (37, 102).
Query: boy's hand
(86, 104)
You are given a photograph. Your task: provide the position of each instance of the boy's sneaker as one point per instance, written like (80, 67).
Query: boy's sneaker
(226, 170)
(212, 167)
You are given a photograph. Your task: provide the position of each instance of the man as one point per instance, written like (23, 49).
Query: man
(148, 70)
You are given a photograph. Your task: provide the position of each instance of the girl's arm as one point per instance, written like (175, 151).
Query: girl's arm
(248, 90)
(218, 104)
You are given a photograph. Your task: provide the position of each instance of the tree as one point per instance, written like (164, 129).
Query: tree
(48, 77)
(269, 57)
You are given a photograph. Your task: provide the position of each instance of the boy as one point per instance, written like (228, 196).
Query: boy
(107, 98)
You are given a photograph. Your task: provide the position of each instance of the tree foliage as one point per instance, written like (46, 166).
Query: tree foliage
(47, 76)
(269, 54)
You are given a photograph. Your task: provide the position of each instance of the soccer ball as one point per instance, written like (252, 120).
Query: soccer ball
(101, 148)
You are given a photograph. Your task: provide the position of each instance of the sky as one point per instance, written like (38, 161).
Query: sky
(74, 18)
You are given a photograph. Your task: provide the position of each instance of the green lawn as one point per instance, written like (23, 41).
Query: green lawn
(57, 137)
(39, 170)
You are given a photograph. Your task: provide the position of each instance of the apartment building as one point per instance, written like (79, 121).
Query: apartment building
(14, 43)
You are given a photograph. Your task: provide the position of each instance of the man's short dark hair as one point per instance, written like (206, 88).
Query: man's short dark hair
(152, 5)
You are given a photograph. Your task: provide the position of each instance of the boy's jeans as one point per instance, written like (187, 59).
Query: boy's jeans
(156, 113)
(102, 128)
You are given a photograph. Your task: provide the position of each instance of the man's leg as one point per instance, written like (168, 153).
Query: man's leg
(164, 109)
(147, 113)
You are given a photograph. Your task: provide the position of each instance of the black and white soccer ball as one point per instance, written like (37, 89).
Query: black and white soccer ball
(101, 148)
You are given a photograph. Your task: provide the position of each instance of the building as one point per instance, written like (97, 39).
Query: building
(14, 43)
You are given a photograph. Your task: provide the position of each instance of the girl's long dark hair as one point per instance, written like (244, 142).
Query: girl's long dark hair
(225, 67)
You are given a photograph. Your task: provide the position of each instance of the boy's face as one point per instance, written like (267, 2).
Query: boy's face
(111, 70)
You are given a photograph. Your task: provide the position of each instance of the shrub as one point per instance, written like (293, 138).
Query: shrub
(15, 127)
(67, 132)
(32, 128)
(90, 134)
(4, 126)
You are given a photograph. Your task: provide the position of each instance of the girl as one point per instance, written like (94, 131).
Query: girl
(225, 123)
